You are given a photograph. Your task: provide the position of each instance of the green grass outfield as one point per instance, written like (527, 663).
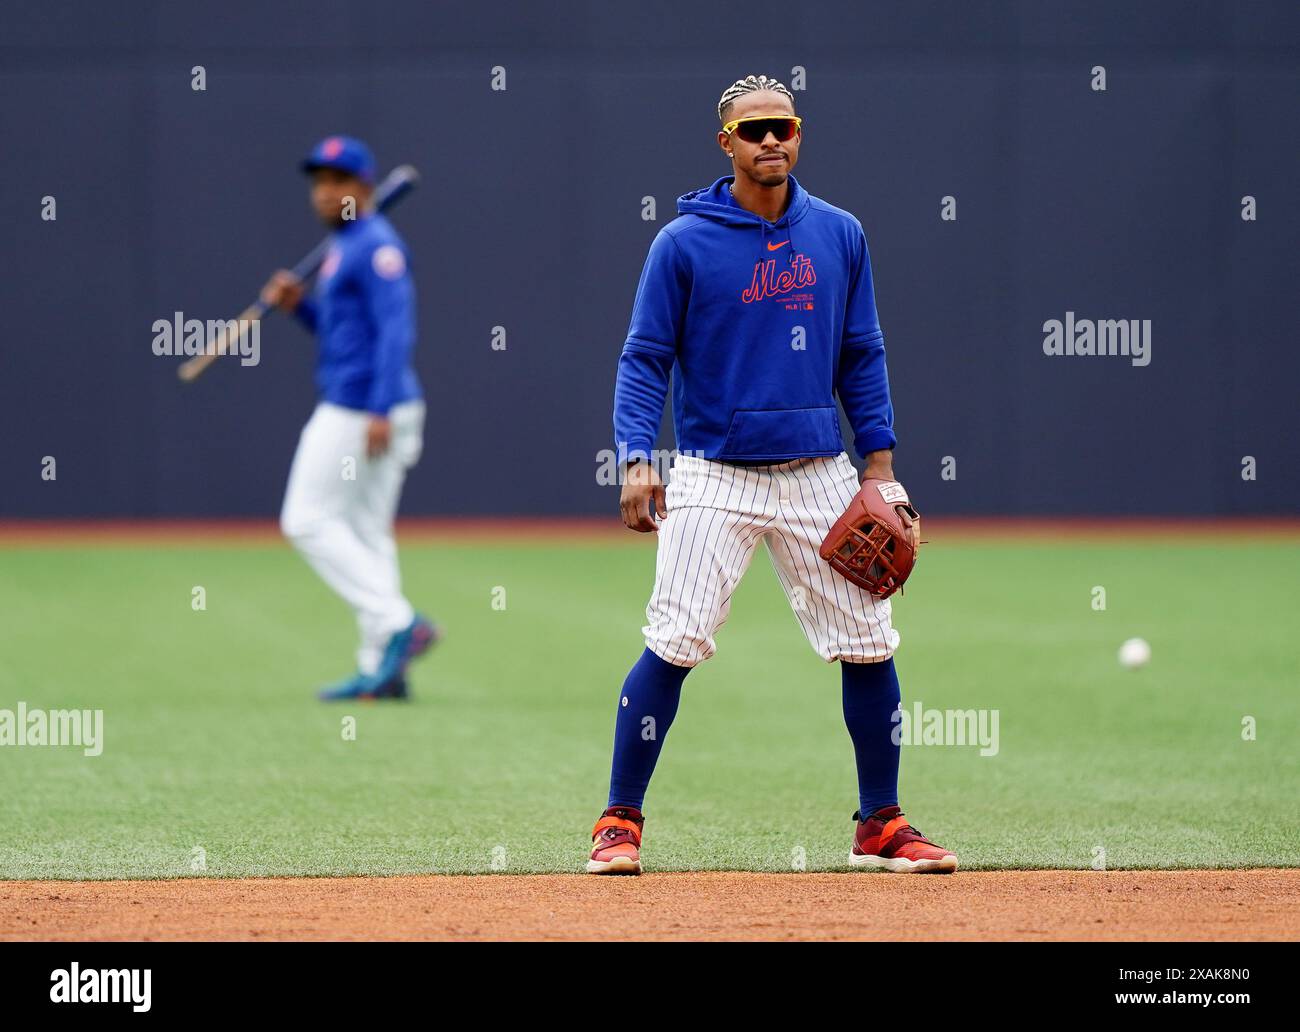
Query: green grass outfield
(213, 740)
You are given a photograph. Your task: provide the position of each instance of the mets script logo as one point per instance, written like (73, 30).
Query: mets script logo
(769, 282)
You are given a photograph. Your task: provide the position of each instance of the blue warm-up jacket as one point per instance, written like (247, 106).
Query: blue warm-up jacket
(363, 312)
(759, 326)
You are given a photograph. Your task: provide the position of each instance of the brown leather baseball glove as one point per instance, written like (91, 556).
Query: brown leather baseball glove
(871, 544)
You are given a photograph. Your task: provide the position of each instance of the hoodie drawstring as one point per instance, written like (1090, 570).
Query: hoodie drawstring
(726, 209)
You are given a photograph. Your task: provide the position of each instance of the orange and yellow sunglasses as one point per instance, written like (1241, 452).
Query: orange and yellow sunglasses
(756, 128)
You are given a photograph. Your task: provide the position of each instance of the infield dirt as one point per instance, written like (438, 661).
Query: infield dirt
(1227, 905)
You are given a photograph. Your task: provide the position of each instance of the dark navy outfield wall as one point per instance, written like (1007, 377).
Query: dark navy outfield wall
(1122, 204)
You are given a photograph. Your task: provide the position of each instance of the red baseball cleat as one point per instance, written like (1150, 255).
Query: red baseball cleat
(886, 842)
(616, 842)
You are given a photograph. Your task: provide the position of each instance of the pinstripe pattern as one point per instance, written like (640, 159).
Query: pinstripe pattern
(716, 516)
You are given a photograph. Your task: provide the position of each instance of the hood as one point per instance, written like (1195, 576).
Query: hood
(715, 202)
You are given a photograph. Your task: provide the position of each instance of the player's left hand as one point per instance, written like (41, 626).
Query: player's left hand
(283, 290)
(379, 434)
(880, 466)
(913, 525)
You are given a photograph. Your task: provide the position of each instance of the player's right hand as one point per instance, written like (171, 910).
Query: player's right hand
(642, 498)
(283, 290)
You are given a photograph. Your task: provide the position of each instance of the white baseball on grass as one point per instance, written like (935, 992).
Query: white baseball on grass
(1134, 653)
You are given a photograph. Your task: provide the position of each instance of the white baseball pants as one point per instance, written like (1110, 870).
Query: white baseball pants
(339, 509)
(717, 513)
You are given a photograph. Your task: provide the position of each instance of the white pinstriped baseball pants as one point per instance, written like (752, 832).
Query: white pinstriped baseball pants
(717, 514)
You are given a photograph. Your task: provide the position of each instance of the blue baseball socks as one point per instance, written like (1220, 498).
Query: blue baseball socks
(871, 697)
(653, 689)
(646, 709)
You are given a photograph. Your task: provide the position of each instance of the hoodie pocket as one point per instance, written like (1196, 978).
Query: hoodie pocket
(781, 434)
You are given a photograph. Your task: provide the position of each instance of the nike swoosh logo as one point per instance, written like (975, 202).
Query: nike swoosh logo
(775, 247)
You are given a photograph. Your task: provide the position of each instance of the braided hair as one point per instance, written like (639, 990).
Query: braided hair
(750, 84)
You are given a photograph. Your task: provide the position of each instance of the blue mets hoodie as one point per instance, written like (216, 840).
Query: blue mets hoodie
(759, 326)
(363, 311)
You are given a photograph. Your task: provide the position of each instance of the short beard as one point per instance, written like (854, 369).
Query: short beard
(767, 178)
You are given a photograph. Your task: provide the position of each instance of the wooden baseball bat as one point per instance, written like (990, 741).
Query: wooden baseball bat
(396, 185)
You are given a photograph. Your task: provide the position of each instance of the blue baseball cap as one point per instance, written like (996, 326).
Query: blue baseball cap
(345, 153)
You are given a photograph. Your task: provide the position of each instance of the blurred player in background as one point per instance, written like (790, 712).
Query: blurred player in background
(367, 428)
(757, 305)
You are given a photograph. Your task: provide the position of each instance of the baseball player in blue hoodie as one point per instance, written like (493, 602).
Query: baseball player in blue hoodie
(367, 428)
(757, 306)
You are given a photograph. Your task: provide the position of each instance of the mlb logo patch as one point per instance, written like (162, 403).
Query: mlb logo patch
(893, 493)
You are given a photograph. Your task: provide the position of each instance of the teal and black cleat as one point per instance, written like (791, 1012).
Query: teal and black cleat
(366, 688)
(406, 645)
